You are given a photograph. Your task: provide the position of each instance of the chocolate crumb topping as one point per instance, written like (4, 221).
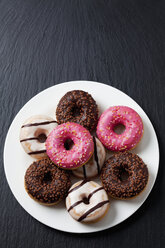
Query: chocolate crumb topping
(45, 182)
(124, 175)
(78, 106)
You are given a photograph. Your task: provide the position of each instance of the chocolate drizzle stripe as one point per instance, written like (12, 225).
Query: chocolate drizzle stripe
(38, 123)
(74, 205)
(84, 172)
(95, 155)
(95, 191)
(37, 152)
(33, 138)
(89, 196)
(99, 205)
(77, 187)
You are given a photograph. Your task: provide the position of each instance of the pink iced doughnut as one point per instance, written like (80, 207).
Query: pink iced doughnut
(77, 155)
(114, 116)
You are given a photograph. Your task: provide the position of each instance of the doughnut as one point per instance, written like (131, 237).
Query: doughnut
(87, 201)
(46, 183)
(33, 134)
(78, 106)
(77, 153)
(93, 166)
(124, 175)
(113, 117)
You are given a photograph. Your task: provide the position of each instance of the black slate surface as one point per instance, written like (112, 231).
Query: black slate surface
(120, 43)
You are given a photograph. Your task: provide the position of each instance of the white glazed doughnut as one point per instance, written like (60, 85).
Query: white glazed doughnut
(33, 134)
(87, 201)
(93, 166)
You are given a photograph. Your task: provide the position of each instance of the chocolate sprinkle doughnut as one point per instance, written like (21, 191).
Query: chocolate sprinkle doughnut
(124, 175)
(78, 106)
(46, 183)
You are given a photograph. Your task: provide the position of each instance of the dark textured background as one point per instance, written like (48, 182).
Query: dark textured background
(120, 43)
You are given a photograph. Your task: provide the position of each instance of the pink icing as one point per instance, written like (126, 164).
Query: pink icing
(120, 115)
(81, 151)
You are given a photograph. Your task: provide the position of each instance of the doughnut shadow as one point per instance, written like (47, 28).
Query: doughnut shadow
(108, 218)
(145, 140)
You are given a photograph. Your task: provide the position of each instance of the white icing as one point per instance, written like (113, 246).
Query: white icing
(34, 131)
(96, 198)
(91, 165)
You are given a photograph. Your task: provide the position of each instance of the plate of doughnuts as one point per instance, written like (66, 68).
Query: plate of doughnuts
(85, 156)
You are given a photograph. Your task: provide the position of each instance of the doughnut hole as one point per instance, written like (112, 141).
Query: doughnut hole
(85, 199)
(119, 128)
(76, 111)
(68, 144)
(41, 136)
(123, 173)
(47, 177)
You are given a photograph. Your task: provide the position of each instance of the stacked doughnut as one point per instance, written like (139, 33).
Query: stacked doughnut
(67, 147)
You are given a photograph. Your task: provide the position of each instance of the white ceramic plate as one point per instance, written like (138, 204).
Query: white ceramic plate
(16, 161)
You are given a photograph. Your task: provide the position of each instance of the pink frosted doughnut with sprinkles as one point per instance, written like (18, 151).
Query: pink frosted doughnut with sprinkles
(69, 145)
(113, 117)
